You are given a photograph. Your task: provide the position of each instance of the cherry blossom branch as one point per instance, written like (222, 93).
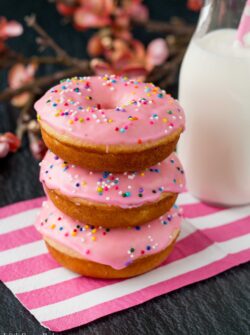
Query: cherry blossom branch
(78, 66)
(46, 41)
(11, 58)
(35, 86)
(44, 38)
(175, 27)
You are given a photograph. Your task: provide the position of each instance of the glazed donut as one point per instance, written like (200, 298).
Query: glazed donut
(110, 123)
(108, 253)
(109, 199)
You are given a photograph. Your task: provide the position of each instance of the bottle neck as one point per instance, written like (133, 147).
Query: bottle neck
(219, 14)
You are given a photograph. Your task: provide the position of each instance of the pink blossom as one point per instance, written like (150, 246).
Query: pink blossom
(4, 149)
(121, 53)
(157, 53)
(101, 67)
(101, 7)
(65, 9)
(8, 29)
(17, 76)
(137, 11)
(101, 13)
(131, 59)
(84, 19)
(194, 5)
(93, 14)
(8, 143)
(95, 47)
(122, 19)
(123, 58)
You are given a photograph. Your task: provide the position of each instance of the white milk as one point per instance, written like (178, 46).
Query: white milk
(215, 94)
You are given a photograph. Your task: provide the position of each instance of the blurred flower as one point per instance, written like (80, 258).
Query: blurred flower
(92, 13)
(101, 7)
(137, 11)
(84, 19)
(121, 18)
(65, 10)
(4, 149)
(95, 47)
(36, 144)
(195, 5)
(157, 53)
(114, 43)
(8, 29)
(101, 13)
(12, 140)
(130, 70)
(18, 75)
(130, 59)
(8, 143)
(122, 58)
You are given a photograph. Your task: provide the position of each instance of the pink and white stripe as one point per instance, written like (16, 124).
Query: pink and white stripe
(212, 240)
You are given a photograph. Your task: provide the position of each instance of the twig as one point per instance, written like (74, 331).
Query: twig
(170, 78)
(62, 55)
(175, 26)
(11, 59)
(71, 3)
(24, 117)
(36, 85)
(45, 38)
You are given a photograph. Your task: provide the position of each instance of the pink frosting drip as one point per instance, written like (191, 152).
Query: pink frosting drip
(110, 110)
(115, 247)
(129, 189)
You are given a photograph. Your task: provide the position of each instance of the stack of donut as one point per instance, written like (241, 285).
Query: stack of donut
(110, 174)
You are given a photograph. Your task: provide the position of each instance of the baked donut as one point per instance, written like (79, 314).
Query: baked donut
(110, 123)
(108, 253)
(109, 199)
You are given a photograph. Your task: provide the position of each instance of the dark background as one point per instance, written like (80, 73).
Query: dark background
(220, 305)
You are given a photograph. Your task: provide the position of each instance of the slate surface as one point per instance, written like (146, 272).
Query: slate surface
(218, 306)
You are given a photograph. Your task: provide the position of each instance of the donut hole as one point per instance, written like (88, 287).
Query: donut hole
(112, 100)
(107, 105)
(104, 101)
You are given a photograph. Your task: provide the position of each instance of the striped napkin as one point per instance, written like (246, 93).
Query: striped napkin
(212, 240)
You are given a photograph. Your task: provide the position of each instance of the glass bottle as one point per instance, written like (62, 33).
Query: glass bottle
(215, 94)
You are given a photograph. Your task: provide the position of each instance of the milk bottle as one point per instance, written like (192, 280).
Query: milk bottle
(215, 94)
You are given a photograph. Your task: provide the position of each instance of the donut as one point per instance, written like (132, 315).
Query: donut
(107, 253)
(109, 123)
(110, 199)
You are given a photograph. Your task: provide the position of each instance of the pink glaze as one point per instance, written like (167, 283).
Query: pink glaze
(110, 110)
(129, 189)
(115, 247)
